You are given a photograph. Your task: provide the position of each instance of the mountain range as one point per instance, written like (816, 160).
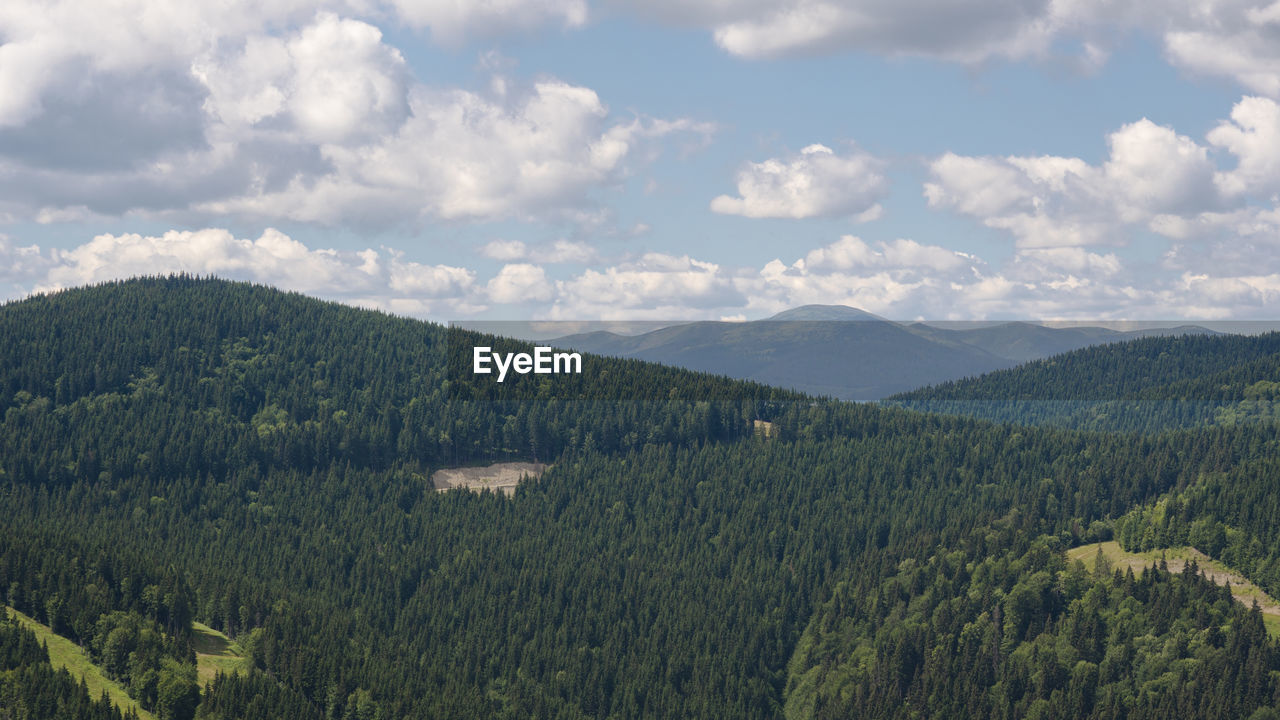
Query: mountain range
(850, 354)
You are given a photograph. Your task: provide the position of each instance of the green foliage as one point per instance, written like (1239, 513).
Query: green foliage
(177, 693)
(30, 689)
(254, 695)
(1011, 630)
(1232, 515)
(1143, 385)
(134, 650)
(259, 461)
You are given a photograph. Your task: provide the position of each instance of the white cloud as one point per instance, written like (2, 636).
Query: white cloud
(20, 264)
(560, 251)
(816, 182)
(519, 284)
(431, 281)
(1253, 136)
(462, 156)
(851, 252)
(1152, 173)
(656, 285)
(967, 32)
(1154, 170)
(880, 277)
(334, 81)
(47, 41)
(567, 251)
(898, 279)
(368, 277)
(1245, 242)
(505, 250)
(1235, 39)
(273, 257)
(905, 279)
(1231, 292)
(451, 22)
(1074, 260)
(284, 110)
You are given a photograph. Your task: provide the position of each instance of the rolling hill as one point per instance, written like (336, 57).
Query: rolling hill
(178, 451)
(1148, 384)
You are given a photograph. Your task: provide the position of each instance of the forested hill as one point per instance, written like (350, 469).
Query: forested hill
(1147, 385)
(179, 449)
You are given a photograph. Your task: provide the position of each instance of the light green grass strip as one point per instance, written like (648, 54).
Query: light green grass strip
(216, 653)
(64, 653)
(1241, 589)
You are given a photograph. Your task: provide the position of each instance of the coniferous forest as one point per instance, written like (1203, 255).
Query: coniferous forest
(181, 449)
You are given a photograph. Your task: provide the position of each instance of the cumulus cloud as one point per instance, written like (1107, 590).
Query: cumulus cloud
(20, 263)
(283, 110)
(1253, 136)
(966, 32)
(1245, 242)
(1152, 173)
(559, 251)
(1235, 39)
(849, 253)
(816, 182)
(1223, 297)
(881, 276)
(569, 251)
(451, 22)
(519, 283)
(464, 156)
(47, 41)
(1073, 260)
(901, 278)
(429, 281)
(505, 250)
(334, 81)
(1040, 283)
(1153, 178)
(656, 286)
(366, 277)
(906, 279)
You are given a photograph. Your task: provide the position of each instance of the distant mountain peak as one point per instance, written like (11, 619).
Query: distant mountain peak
(828, 313)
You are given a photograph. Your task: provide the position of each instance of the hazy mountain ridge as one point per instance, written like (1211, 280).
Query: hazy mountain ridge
(847, 353)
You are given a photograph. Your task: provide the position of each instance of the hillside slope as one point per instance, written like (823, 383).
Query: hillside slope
(1148, 384)
(178, 450)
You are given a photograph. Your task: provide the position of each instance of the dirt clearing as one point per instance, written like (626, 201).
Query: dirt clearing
(499, 477)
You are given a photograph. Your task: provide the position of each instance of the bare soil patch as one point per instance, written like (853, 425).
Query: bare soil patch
(765, 429)
(499, 477)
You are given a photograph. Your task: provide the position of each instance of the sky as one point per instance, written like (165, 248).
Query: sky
(728, 159)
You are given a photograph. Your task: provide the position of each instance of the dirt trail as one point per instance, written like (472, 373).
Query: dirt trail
(1219, 575)
(1177, 558)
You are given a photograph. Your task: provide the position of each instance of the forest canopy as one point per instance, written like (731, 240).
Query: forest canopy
(180, 449)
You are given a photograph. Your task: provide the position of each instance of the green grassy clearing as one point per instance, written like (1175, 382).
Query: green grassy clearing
(64, 653)
(1177, 558)
(216, 653)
